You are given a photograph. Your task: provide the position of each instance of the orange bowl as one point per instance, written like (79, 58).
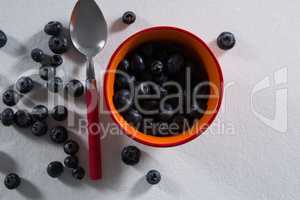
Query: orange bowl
(199, 49)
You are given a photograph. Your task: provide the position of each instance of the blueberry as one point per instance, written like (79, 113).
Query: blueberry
(55, 84)
(166, 112)
(71, 162)
(24, 84)
(58, 134)
(137, 64)
(74, 88)
(226, 41)
(39, 112)
(153, 177)
(131, 155)
(78, 173)
(12, 181)
(37, 55)
(129, 17)
(7, 117)
(23, 119)
(133, 117)
(124, 66)
(175, 64)
(3, 39)
(53, 28)
(56, 60)
(160, 79)
(149, 107)
(123, 81)
(55, 169)
(123, 99)
(39, 128)
(47, 72)
(10, 97)
(71, 147)
(156, 67)
(59, 113)
(58, 45)
(143, 89)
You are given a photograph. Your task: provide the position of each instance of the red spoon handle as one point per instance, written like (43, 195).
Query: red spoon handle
(94, 135)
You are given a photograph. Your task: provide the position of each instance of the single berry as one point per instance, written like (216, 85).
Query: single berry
(71, 162)
(133, 117)
(47, 72)
(58, 134)
(123, 81)
(10, 97)
(39, 112)
(123, 100)
(153, 177)
(156, 67)
(71, 147)
(12, 181)
(226, 41)
(78, 173)
(124, 66)
(166, 112)
(131, 155)
(37, 55)
(3, 39)
(143, 89)
(23, 119)
(58, 45)
(129, 17)
(175, 63)
(56, 60)
(74, 88)
(59, 113)
(53, 28)
(24, 84)
(55, 84)
(39, 128)
(55, 169)
(137, 64)
(7, 117)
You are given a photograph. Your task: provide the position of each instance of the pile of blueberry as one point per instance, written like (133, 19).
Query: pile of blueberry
(37, 118)
(146, 72)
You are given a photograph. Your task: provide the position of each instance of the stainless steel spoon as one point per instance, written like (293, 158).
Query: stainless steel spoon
(88, 30)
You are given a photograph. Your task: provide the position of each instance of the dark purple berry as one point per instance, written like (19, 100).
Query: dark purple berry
(123, 100)
(74, 88)
(78, 173)
(39, 112)
(12, 181)
(37, 55)
(131, 155)
(24, 85)
(7, 117)
(137, 64)
(71, 162)
(47, 72)
(3, 39)
(175, 64)
(10, 97)
(59, 113)
(124, 66)
(129, 17)
(133, 117)
(58, 134)
(39, 128)
(153, 177)
(55, 169)
(157, 67)
(55, 84)
(166, 112)
(56, 60)
(53, 28)
(23, 119)
(226, 41)
(58, 45)
(71, 147)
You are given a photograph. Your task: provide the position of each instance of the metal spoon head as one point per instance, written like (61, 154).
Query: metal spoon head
(88, 28)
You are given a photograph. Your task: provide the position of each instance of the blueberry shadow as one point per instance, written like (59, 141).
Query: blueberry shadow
(117, 26)
(140, 188)
(8, 164)
(14, 47)
(29, 190)
(216, 50)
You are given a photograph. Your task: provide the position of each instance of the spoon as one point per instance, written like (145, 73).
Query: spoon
(88, 30)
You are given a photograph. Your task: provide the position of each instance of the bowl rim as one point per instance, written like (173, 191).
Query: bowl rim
(209, 122)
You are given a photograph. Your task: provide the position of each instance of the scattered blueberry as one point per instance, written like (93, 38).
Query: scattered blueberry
(71, 162)
(153, 177)
(175, 64)
(39, 128)
(137, 64)
(78, 173)
(157, 67)
(123, 99)
(53, 28)
(124, 65)
(3, 39)
(74, 88)
(47, 72)
(23, 119)
(56, 60)
(24, 84)
(58, 134)
(131, 155)
(129, 17)
(133, 117)
(166, 112)
(55, 84)
(39, 112)
(7, 117)
(71, 147)
(58, 45)
(37, 55)
(59, 113)
(143, 89)
(123, 81)
(12, 181)
(55, 169)
(10, 97)
(226, 41)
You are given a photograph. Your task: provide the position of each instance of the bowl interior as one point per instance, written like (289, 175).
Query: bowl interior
(199, 49)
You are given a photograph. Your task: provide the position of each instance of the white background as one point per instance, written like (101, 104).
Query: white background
(240, 157)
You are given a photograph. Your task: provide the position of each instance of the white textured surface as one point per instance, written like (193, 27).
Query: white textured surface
(250, 160)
